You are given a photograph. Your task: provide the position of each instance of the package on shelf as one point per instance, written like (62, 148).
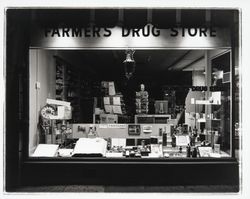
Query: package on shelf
(108, 88)
(111, 88)
(98, 111)
(113, 100)
(108, 118)
(117, 109)
(114, 104)
(108, 108)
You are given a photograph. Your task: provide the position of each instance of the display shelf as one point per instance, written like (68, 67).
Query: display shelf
(145, 118)
(68, 85)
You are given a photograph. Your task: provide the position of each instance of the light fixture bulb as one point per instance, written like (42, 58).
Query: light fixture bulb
(129, 58)
(129, 64)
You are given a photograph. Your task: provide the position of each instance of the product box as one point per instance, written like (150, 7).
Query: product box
(108, 119)
(111, 88)
(161, 106)
(108, 88)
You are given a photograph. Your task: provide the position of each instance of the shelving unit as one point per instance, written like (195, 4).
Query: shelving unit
(68, 85)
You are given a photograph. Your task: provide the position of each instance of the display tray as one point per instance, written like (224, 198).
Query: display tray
(169, 156)
(150, 151)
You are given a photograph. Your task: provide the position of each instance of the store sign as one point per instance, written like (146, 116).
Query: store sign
(120, 37)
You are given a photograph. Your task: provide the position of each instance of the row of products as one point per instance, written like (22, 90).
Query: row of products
(62, 131)
(55, 133)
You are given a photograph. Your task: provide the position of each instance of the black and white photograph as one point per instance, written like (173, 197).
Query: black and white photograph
(122, 99)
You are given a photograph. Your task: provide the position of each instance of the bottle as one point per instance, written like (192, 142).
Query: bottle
(171, 129)
(194, 152)
(63, 131)
(212, 139)
(164, 138)
(127, 153)
(180, 149)
(91, 132)
(109, 144)
(173, 140)
(195, 130)
(68, 128)
(58, 129)
(179, 129)
(143, 143)
(188, 151)
(190, 131)
(160, 131)
(192, 140)
(160, 136)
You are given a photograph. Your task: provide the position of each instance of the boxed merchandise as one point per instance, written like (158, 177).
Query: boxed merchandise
(108, 119)
(141, 102)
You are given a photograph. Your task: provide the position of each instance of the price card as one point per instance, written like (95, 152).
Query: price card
(182, 140)
(108, 108)
(111, 88)
(216, 148)
(117, 110)
(106, 100)
(116, 101)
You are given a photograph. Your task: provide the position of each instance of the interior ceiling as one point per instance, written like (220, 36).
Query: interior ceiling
(147, 61)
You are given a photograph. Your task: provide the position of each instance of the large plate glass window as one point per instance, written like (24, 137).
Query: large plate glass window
(130, 103)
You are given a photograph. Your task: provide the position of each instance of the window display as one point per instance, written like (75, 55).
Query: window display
(96, 109)
(114, 96)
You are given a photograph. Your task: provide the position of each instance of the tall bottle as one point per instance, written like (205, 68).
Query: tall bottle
(192, 139)
(194, 152)
(190, 131)
(164, 137)
(173, 140)
(195, 131)
(188, 151)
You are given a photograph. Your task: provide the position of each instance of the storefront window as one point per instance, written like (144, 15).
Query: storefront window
(115, 95)
(123, 83)
(130, 103)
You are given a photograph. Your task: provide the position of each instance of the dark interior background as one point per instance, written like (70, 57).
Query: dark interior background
(151, 69)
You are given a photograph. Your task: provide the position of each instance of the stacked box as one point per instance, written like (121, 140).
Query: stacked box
(113, 102)
(141, 102)
(108, 88)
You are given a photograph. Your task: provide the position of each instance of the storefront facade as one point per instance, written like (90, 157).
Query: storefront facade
(162, 107)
